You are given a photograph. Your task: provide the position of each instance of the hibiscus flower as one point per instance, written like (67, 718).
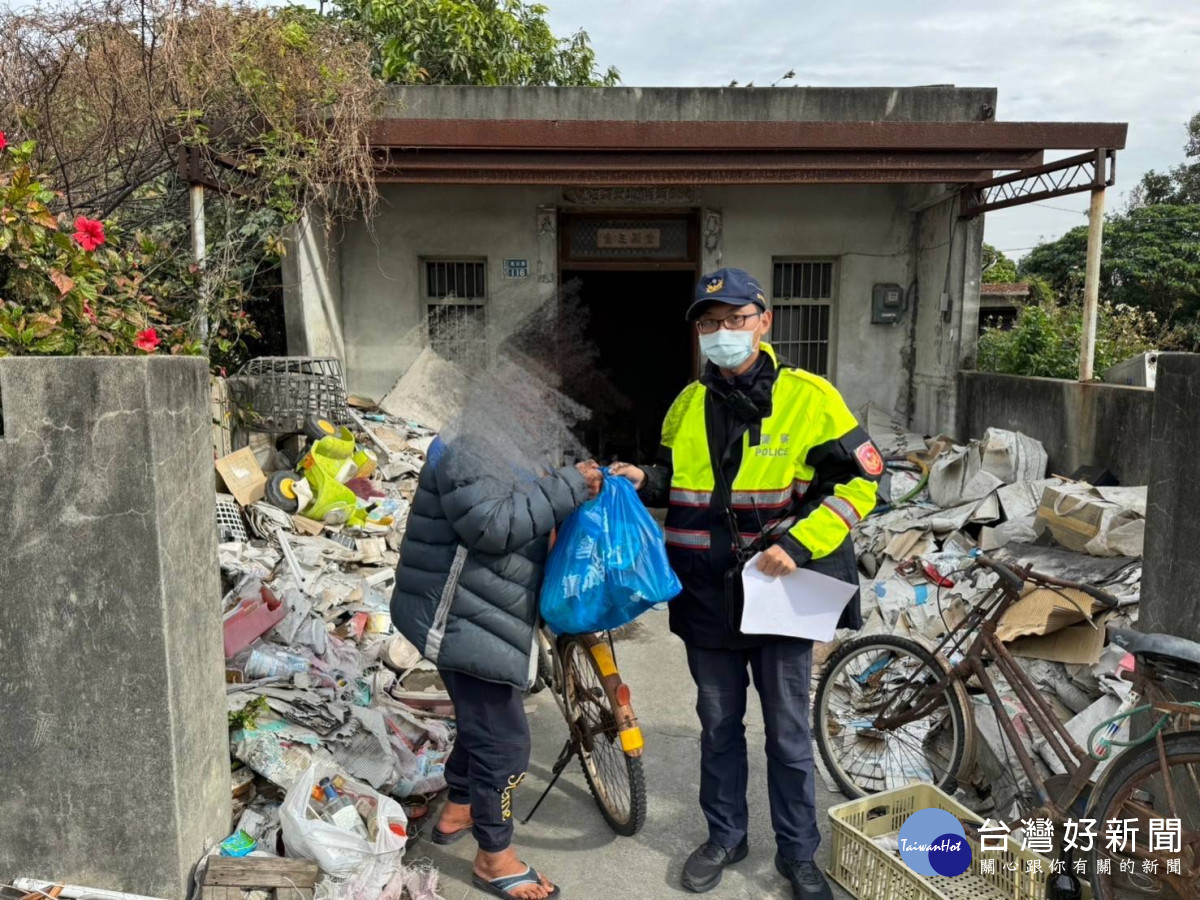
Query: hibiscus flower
(147, 340)
(3, 141)
(89, 233)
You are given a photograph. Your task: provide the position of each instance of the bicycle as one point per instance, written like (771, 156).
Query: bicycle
(908, 705)
(581, 672)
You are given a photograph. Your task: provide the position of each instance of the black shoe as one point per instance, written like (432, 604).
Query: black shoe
(808, 882)
(703, 869)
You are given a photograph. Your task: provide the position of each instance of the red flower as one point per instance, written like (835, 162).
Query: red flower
(3, 140)
(89, 233)
(147, 340)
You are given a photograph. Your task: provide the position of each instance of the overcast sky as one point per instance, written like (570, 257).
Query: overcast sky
(1135, 61)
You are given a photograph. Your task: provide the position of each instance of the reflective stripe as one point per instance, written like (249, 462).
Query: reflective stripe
(692, 539)
(437, 631)
(681, 497)
(801, 487)
(843, 509)
(761, 499)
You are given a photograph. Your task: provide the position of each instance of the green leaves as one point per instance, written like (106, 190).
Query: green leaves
(1044, 341)
(473, 42)
(1151, 261)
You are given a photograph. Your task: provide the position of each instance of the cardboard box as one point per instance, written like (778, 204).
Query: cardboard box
(1044, 624)
(243, 476)
(1080, 644)
(1042, 611)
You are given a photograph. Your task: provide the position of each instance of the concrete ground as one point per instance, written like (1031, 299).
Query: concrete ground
(571, 844)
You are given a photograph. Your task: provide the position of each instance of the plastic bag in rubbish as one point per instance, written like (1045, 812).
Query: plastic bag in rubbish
(608, 566)
(343, 854)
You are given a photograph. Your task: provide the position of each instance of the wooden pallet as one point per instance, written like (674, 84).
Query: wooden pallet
(227, 877)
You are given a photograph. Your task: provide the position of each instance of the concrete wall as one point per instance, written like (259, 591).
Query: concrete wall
(1080, 424)
(382, 310)
(312, 289)
(870, 231)
(944, 319)
(1170, 601)
(112, 726)
(937, 103)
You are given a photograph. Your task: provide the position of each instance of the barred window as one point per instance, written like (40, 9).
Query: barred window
(802, 302)
(456, 310)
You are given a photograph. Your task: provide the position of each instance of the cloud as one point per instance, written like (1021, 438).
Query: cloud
(1070, 60)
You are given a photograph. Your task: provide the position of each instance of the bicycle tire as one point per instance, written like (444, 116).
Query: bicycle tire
(575, 653)
(1126, 767)
(957, 702)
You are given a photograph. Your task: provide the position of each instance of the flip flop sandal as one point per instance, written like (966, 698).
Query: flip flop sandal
(448, 837)
(503, 886)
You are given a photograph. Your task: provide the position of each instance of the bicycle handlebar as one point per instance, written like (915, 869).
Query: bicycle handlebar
(1015, 582)
(1010, 579)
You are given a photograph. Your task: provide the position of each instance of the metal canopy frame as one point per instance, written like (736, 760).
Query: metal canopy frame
(1085, 172)
(587, 153)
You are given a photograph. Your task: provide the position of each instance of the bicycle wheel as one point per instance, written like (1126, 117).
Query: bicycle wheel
(1139, 789)
(859, 679)
(614, 778)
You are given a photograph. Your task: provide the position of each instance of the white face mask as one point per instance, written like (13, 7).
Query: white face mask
(727, 349)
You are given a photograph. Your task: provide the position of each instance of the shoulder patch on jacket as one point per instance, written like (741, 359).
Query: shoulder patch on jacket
(868, 457)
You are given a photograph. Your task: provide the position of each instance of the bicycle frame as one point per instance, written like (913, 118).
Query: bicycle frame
(982, 622)
(1078, 762)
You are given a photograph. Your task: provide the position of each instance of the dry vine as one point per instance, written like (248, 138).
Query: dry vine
(275, 102)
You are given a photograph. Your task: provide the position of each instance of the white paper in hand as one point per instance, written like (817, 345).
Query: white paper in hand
(805, 604)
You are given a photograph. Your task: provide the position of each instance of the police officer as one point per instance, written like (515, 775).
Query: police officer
(756, 456)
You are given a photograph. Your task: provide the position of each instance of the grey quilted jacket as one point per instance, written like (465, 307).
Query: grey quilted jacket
(472, 560)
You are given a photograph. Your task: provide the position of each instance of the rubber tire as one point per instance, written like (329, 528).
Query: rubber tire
(637, 777)
(958, 704)
(1132, 760)
(276, 492)
(317, 427)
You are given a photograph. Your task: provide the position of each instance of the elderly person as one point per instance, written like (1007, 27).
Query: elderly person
(467, 596)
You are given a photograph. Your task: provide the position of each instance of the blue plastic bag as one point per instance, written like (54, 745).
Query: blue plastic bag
(608, 566)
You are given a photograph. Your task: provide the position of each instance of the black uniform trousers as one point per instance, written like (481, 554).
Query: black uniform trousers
(782, 672)
(490, 755)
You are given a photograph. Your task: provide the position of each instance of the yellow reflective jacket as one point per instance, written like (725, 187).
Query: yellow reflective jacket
(779, 459)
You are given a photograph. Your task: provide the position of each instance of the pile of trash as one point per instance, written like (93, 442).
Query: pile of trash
(339, 731)
(939, 501)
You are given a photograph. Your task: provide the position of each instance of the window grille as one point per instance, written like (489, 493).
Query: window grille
(456, 310)
(802, 302)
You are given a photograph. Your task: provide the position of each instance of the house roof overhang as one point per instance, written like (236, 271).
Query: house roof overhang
(993, 162)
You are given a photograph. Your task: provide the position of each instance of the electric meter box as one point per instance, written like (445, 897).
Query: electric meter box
(888, 303)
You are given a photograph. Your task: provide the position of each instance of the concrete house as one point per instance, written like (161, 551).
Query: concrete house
(860, 209)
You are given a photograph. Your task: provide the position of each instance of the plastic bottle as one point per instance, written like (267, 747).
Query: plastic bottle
(339, 811)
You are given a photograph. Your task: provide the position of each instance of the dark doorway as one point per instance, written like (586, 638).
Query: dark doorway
(632, 322)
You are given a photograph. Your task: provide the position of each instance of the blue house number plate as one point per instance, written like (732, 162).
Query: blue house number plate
(516, 268)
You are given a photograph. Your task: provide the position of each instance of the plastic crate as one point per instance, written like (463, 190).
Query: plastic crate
(870, 872)
(275, 394)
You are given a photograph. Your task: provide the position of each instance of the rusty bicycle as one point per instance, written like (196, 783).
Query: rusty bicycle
(891, 710)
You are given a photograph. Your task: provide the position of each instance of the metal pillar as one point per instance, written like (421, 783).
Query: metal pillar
(1091, 286)
(198, 254)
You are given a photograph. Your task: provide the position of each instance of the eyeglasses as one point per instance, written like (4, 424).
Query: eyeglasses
(733, 323)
